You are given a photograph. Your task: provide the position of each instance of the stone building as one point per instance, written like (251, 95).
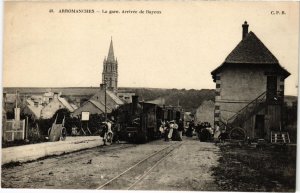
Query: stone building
(250, 88)
(54, 105)
(96, 104)
(110, 70)
(205, 112)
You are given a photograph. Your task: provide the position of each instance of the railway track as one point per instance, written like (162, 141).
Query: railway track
(62, 160)
(129, 178)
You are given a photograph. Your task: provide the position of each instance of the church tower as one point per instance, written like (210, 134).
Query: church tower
(110, 70)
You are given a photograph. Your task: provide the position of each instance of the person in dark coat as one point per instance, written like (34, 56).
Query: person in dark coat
(180, 128)
(167, 129)
(175, 135)
(189, 132)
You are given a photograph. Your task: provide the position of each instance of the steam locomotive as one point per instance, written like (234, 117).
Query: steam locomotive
(139, 122)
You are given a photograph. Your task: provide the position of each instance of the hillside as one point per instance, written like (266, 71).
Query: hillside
(190, 100)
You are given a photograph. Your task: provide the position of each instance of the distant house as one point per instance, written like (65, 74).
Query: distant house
(33, 108)
(205, 112)
(96, 104)
(250, 88)
(54, 105)
(10, 101)
(44, 106)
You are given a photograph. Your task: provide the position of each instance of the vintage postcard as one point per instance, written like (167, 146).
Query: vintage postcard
(150, 95)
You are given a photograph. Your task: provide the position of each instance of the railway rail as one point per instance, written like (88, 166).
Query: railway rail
(129, 178)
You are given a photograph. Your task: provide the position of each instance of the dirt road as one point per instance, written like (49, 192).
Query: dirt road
(187, 167)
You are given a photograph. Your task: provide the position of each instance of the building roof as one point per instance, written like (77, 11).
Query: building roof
(116, 99)
(251, 51)
(74, 106)
(100, 106)
(66, 104)
(30, 102)
(48, 94)
(36, 111)
(98, 100)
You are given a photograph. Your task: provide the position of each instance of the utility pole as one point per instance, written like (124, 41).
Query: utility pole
(105, 102)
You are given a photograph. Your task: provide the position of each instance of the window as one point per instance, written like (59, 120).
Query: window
(217, 114)
(217, 107)
(218, 85)
(218, 77)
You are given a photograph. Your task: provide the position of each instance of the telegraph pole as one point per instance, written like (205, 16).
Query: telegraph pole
(105, 111)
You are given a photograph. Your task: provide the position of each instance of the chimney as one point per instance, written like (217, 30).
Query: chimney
(4, 99)
(102, 86)
(135, 101)
(55, 96)
(245, 29)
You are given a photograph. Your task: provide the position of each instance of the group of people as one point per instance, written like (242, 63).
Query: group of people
(207, 133)
(172, 130)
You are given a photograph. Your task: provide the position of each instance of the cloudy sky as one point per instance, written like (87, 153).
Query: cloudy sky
(177, 48)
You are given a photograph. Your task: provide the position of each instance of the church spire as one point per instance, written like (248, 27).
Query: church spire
(111, 56)
(110, 70)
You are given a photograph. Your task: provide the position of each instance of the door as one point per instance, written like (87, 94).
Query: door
(271, 89)
(260, 126)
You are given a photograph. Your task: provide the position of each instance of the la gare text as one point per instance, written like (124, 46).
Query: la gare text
(151, 12)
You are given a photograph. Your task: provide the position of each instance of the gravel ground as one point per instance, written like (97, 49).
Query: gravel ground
(186, 168)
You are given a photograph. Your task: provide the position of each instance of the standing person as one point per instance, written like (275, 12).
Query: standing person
(162, 128)
(166, 131)
(116, 132)
(171, 130)
(180, 129)
(108, 132)
(190, 129)
(176, 136)
(217, 132)
(208, 127)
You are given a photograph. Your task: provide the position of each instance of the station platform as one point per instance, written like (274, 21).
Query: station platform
(31, 152)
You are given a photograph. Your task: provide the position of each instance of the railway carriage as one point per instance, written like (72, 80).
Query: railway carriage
(139, 122)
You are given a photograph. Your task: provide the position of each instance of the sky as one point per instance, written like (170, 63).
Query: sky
(177, 48)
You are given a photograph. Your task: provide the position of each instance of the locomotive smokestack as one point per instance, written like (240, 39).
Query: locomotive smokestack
(135, 101)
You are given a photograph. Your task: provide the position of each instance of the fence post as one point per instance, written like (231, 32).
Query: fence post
(26, 128)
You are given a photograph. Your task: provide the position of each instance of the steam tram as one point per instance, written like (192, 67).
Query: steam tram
(139, 122)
